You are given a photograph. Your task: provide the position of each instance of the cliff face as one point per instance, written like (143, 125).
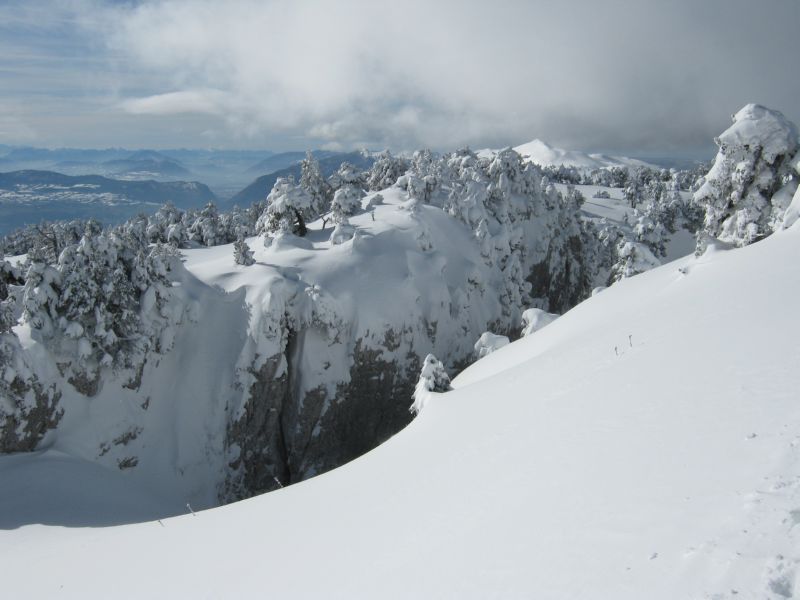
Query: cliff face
(287, 433)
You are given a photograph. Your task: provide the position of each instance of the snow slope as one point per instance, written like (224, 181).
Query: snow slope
(644, 445)
(545, 155)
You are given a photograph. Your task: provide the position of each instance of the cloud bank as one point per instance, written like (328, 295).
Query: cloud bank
(619, 75)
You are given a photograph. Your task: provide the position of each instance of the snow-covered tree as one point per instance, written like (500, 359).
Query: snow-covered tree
(385, 171)
(347, 174)
(634, 191)
(286, 205)
(740, 193)
(316, 186)
(650, 232)
(106, 302)
(346, 202)
(44, 248)
(432, 378)
(8, 276)
(205, 229)
(633, 258)
(7, 320)
(165, 225)
(242, 254)
(27, 409)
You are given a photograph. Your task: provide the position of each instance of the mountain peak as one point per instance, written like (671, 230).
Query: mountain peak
(544, 154)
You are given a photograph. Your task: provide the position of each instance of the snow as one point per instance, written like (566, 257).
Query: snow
(793, 211)
(757, 126)
(53, 488)
(535, 319)
(645, 444)
(488, 343)
(545, 155)
(755, 158)
(617, 210)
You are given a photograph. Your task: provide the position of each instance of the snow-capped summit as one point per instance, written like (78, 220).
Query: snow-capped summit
(545, 155)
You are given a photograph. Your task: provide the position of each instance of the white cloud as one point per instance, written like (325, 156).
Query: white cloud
(618, 74)
(210, 102)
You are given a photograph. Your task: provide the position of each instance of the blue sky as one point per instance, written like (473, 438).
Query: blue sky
(643, 76)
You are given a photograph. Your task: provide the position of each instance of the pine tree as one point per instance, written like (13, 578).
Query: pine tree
(286, 205)
(432, 378)
(346, 202)
(385, 171)
(739, 193)
(8, 276)
(317, 187)
(7, 320)
(205, 228)
(105, 301)
(633, 258)
(242, 254)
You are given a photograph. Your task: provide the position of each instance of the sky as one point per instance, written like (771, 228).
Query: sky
(638, 77)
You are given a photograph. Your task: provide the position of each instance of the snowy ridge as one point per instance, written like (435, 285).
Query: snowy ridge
(669, 467)
(544, 154)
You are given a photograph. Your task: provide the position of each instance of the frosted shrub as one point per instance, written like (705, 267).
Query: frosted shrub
(432, 378)
(242, 254)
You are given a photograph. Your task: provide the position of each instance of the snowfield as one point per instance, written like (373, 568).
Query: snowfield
(544, 154)
(646, 444)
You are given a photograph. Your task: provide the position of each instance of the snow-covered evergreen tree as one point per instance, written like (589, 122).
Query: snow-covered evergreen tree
(286, 205)
(316, 186)
(7, 320)
(347, 173)
(27, 408)
(346, 201)
(161, 226)
(242, 254)
(205, 229)
(385, 171)
(752, 165)
(634, 191)
(650, 232)
(633, 258)
(432, 378)
(8, 276)
(106, 302)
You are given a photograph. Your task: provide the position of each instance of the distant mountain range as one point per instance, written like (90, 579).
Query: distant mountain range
(33, 196)
(146, 164)
(225, 171)
(283, 160)
(114, 184)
